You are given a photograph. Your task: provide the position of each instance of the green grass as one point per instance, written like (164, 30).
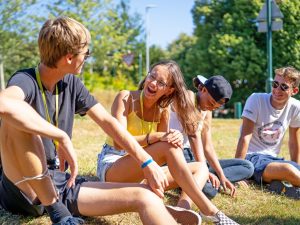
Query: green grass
(251, 206)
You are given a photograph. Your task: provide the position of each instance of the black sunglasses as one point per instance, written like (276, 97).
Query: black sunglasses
(87, 54)
(283, 86)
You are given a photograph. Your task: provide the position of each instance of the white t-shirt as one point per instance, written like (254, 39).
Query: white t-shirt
(269, 124)
(175, 124)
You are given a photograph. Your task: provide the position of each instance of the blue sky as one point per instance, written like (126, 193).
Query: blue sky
(167, 20)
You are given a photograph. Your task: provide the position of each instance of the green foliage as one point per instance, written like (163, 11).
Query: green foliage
(114, 33)
(119, 82)
(157, 54)
(287, 41)
(180, 51)
(18, 48)
(227, 42)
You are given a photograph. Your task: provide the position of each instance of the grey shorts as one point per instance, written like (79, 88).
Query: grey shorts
(108, 156)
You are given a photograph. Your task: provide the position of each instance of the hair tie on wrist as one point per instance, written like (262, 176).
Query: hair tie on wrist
(147, 139)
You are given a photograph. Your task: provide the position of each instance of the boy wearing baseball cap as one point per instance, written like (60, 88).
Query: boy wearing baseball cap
(212, 93)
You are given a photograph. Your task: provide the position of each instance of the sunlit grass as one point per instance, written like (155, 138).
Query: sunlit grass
(251, 206)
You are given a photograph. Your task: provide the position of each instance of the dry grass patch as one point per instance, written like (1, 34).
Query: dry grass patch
(252, 206)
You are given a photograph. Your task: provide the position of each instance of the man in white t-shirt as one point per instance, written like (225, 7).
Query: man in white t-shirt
(266, 117)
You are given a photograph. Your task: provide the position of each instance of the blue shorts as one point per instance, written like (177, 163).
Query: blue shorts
(261, 161)
(106, 159)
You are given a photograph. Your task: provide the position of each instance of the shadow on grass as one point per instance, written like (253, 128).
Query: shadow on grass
(10, 219)
(267, 220)
(250, 215)
(7, 218)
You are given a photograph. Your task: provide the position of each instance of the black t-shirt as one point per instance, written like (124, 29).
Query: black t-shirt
(73, 98)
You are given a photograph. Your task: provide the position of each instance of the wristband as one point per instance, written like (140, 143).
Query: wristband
(146, 163)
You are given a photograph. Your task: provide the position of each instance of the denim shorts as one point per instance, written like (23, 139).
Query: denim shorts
(108, 156)
(261, 161)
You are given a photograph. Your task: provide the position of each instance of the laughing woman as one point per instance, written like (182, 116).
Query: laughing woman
(145, 114)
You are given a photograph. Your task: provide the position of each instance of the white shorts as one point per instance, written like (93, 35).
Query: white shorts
(106, 159)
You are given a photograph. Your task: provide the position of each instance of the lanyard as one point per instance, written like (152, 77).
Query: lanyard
(38, 77)
(142, 112)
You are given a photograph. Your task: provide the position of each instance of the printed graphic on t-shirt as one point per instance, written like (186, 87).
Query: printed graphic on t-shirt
(270, 133)
(248, 111)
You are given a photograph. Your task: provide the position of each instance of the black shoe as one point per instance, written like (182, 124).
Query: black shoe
(281, 187)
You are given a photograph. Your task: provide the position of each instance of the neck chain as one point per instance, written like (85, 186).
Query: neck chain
(38, 77)
(142, 112)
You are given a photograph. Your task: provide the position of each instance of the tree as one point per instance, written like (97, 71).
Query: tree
(156, 54)
(114, 33)
(181, 51)
(18, 43)
(228, 43)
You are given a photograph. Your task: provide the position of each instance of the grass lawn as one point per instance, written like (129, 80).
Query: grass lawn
(252, 205)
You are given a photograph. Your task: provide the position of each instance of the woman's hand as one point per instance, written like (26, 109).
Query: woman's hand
(214, 180)
(173, 137)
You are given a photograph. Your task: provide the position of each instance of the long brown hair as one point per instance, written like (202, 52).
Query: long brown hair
(186, 111)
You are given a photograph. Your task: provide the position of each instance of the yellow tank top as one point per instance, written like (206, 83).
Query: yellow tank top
(134, 127)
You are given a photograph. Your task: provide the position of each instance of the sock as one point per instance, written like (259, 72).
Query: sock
(57, 211)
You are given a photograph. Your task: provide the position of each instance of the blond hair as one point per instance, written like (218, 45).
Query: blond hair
(188, 115)
(59, 37)
(289, 73)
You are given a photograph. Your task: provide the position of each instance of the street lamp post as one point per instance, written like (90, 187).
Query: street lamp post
(269, 47)
(269, 19)
(147, 37)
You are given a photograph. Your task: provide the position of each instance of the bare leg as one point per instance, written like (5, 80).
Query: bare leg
(163, 152)
(282, 171)
(200, 176)
(23, 156)
(113, 198)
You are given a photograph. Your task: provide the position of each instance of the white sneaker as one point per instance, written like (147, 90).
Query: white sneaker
(184, 216)
(219, 219)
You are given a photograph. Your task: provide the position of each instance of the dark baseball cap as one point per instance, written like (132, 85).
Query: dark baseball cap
(217, 86)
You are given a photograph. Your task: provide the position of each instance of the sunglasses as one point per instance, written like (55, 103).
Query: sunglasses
(283, 86)
(87, 54)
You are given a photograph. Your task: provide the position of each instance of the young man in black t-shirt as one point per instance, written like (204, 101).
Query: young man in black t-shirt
(37, 110)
